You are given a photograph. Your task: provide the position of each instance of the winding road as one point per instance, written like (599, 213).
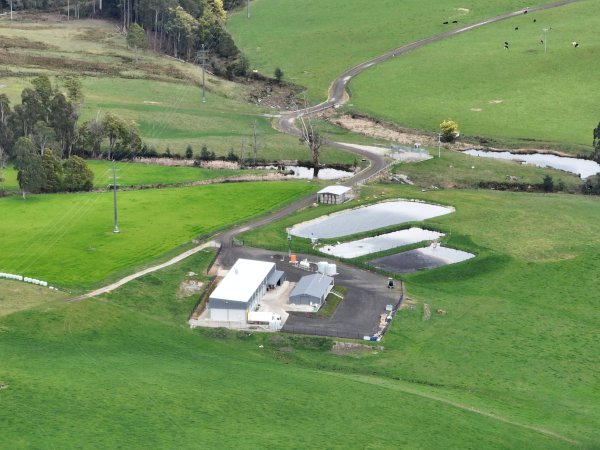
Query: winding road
(287, 124)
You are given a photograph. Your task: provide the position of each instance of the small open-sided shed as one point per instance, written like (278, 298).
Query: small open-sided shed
(333, 195)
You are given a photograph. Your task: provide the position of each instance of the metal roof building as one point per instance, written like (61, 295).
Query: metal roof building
(333, 195)
(241, 290)
(311, 290)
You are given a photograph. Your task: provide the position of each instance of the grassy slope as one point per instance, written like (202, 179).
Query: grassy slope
(544, 96)
(161, 94)
(325, 38)
(142, 382)
(15, 296)
(520, 333)
(68, 240)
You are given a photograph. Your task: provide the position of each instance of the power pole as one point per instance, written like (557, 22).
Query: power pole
(114, 170)
(545, 30)
(255, 146)
(202, 54)
(242, 153)
(248, 8)
(68, 10)
(11, 10)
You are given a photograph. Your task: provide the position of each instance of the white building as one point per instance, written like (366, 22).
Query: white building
(241, 290)
(333, 195)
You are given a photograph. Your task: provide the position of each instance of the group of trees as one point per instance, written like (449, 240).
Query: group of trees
(42, 131)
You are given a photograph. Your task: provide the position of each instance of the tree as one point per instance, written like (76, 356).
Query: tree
(278, 75)
(596, 144)
(121, 134)
(74, 90)
(136, 38)
(42, 135)
(548, 184)
(189, 152)
(77, 175)
(28, 163)
(313, 141)
(92, 134)
(63, 118)
(449, 130)
(53, 172)
(6, 130)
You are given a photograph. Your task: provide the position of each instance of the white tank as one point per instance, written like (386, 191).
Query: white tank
(331, 270)
(322, 266)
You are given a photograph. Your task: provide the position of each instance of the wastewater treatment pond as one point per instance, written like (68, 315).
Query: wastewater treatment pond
(368, 218)
(420, 259)
(581, 167)
(380, 243)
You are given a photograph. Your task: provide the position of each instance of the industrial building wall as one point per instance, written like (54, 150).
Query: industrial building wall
(223, 310)
(305, 300)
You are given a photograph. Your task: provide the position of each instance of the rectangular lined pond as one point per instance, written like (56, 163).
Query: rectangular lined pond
(380, 243)
(368, 218)
(420, 259)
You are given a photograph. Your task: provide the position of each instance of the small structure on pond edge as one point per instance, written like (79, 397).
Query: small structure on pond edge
(334, 195)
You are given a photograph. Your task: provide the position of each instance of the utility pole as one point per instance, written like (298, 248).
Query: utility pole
(68, 10)
(202, 54)
(439, 145)
(545, 30)
(242, 153)
(255, 146)
(114, 170)
(11, 10)
(248, 8)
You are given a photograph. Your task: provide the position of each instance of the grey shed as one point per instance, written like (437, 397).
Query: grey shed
(311, 290)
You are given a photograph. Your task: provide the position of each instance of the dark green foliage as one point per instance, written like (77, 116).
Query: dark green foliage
(596, 144)
(231, 156)
(77, 175)
(548, 184)
(278, 75)
(29, 164)
(591, 186)
(53, 172)
(189, 152)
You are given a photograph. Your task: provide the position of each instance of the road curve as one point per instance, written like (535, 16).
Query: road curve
(337, 90)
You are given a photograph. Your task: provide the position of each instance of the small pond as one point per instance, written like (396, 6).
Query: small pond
(306, 173)
(421, 258)
(380, 243)
(582, 167)
(367, 218)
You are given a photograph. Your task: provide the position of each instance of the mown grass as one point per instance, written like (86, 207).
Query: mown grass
(67, 239)
(521, 94)
(108, 377)
(326, 38)
(16, 296)
(519, 333)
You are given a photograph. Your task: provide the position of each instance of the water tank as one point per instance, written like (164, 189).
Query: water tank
(331, 270)
(322, 266)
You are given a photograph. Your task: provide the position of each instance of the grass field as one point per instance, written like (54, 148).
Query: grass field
(15, 296)
(520, 330)
(144, 381)
(326, 38)
(137, 174)
(161, 94)
(67, 239)
(515, 95)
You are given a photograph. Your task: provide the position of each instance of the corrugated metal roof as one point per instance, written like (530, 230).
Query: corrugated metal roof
(337, 190)
(313, 285)
(275, 277)
(242, 280)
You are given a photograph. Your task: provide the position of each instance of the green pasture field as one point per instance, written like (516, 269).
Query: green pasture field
(139, 174)
(522, 94)
(520, 330)
(100, 374)
(455, 169)
(68, 241)
(161, 94)
(16, 295)
(314, 41)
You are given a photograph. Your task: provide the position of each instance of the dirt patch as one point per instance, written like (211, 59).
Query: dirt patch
(352, 348)
(381, 130)
(189, 287)
(273, 95)
(476, 109)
